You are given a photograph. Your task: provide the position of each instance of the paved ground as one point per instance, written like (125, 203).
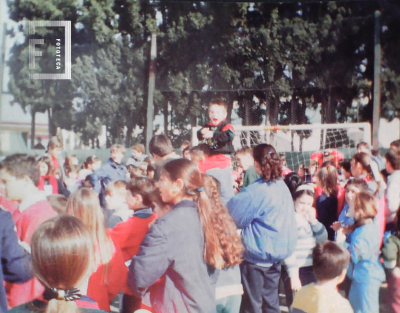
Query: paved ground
(284, 309)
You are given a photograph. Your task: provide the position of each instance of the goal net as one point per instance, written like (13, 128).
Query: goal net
(299, 142)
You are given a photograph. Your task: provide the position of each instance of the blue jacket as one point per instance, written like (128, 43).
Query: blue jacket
(364, 249)
(173, 248)
(108, 172)
(265, 213)
(16, 262)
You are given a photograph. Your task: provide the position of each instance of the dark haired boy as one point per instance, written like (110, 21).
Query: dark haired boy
(330, 263)
(161, 149)
(130, 234)
(20, 176)
(218, 133)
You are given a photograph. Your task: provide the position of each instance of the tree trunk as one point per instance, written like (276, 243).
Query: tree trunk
(33, 124)
(165, 112)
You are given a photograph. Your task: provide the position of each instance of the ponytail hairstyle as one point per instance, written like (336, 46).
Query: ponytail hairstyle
(293, 180)
(85, 205)
(230, 245)
(327, 178)
(62, 250)
(365, 207)
(269, 161)
(190, 175)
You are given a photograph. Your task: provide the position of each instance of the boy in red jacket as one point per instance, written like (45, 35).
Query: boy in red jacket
(129, 234)
(20, 176)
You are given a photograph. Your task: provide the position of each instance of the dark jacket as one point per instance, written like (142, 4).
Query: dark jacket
(221, 141)
(173, 251)
(16, 262)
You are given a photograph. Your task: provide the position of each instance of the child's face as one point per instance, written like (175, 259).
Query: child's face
(217, 114)
(117, 156)
(356, 168)
(166, 188)
(351, 192)
(114, 200)
(43, 168)
(136, 154)
(15, 188)
(389, 167)
(303, 203)
(244, 161)
(95, 166)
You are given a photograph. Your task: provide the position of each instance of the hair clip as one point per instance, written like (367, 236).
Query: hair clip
(200, 189)
(71, 294)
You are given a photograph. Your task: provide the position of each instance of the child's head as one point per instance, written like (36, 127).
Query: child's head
(217, 111)
(303, 198)
(134, 171)
(345, 166)
(353, 187)
(365, 207)
(141, 193)
(363, 147)
(58, 203)
(330, 261)
(137, 151)
(327, 178)
(45, 166)
(361, 164)
(54, 146)
(392, 161)
(151, 167)
(93, 163)
(244, 158)
(19, 173)
(267, 162)
(115, 194)
(71, 160)
(186, 152)
(62, 250)
(160, 146)
(200, 153)
(395, 145)
(71, 171)
(292, 181)
(117, 153)
(85, 205)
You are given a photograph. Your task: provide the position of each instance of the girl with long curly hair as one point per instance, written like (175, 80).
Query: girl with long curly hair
(264, 211)
(182, 249)
(229, 289)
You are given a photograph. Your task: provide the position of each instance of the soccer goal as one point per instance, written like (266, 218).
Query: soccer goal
(298, 142)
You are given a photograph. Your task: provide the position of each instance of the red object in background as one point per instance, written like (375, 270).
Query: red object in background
(329, 155)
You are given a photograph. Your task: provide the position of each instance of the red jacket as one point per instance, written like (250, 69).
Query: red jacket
(26, 222)
(105, 285)
(129, 235)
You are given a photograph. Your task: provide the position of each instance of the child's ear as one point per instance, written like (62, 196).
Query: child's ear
(179, 183)
(139, 198)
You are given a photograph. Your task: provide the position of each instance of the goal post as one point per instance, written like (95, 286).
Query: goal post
(298, 142)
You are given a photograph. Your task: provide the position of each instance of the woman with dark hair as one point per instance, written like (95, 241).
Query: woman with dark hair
(183, 248)
(264, 211)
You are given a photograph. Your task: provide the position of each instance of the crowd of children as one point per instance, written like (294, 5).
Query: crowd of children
(167, 233)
